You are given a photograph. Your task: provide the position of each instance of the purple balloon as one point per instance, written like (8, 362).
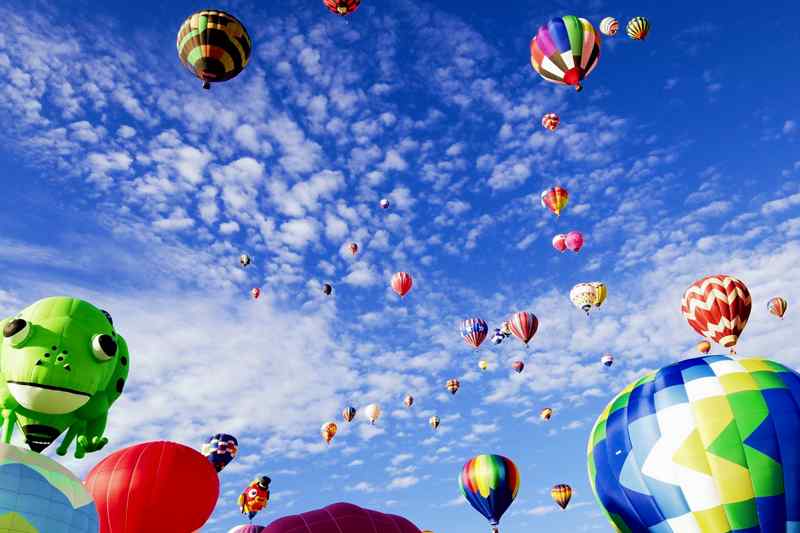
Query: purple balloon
(342, 518)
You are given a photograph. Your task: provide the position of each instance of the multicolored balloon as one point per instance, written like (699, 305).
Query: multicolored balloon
(638, 28)
(518, 366)
(349, 413)
(402, 283)
(607, 360)
(490, 483)
(220, 449)
(555, 199)
(328, 431)
(561, 494)
(565, 50)
(546, 414)
(453, 385)
(703, 347)
(342, 7)
(434, 421)
(777, 306)
(550, 121)
(560, 242)
(255, 497)
(704, 444)
(408, 401)
(718, 307)
(214, 46)
(372, 412)
(524, 325)
(609, 26)
(474, 331)
(584, 296)
(574, 241)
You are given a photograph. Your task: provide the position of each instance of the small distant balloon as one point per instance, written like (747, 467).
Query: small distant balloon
(342, 7)
(546, 413)
(574, 241)
(255, 292)
(524, 326)
(353, 248)
(245, 260)
(474, 331)
(402, 283)
(777, 306)
(703, 347)
(220, 449)
(550, 121)
(518, 366)
(607, 359)
(384, 203)
(327, 289)
(483, 364)
(328, 431)
(555, 199)
(349, 413)
(609, 26)
(408, 401)
(560, 242)
(453, 385)
(434, 421)
(561, 494)
(372, 412)
(498, 336)
(638, 28)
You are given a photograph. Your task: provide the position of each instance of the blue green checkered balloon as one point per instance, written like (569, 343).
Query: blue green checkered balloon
(708, 445)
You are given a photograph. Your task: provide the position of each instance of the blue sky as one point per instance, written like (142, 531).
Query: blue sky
(128, 185)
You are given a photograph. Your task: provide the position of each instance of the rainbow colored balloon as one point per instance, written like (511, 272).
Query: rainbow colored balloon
(565, 50)
(489, 483)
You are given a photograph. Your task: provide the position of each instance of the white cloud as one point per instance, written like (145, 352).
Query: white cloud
(403, 482)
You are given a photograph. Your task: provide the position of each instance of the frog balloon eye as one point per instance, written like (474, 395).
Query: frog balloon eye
(253, 493)
(103, 347)
(17, 331)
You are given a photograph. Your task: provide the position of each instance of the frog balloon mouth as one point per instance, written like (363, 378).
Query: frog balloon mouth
(47, 399)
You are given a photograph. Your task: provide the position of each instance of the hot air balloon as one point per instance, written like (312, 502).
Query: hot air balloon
(214, 46)
(255, 497)
(607, 359)
(349, 413)
(560, 242)
(777, 306)
(342, 7)
(524, 325)
(434, 422)
(561, 494)
(518, 366)
(609, 26)
(474, 331)
(583, 296)
(40, 496)
(565, 50)
(372, 412)
(384, 203)
(498, 337)
(704, 347)
(505, 328)
(574, 241)
(483, 364)
(401, 283)
(353, 248)
(220, 449)
(342, 518)
(550, 121)
(717, 307)
(555, 199)
(638, 28)
(680, 448)
(136, 488)
(328, 431)
(546, 413)
(600, 293)
(255, 292)
(453, 385)
(490, 483)
(408, 400)
(249, 528)
(244, 260)
(327, 288)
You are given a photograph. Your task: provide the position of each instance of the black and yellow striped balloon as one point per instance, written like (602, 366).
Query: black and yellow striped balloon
(214, 46)
(638, 28)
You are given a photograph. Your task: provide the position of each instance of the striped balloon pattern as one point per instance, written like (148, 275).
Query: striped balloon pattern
(609, 26)
(555, 199)
(565, 50)
(717, 307)
(777, 306)
(489, 483)
(705, 445)
(550, 121)
(214, 46)
(402, 283)
(474, 331)
(638, 28)
(342, 7)
(524, 326)
(561, 494)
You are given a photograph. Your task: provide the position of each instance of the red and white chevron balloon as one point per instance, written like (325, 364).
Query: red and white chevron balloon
(717, 307)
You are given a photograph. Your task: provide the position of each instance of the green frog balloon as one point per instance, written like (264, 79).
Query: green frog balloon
(62, 366)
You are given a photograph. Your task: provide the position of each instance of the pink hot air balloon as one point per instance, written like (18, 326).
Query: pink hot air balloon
(250, 528)
(255, 292)
(342, 518)
(524, 325)
(401, 283)
(574, 241)
(560, 242)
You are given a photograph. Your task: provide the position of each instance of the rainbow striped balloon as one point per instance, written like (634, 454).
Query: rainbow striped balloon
(489, 483)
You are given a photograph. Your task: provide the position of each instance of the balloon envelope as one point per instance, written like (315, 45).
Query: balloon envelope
(565, 50)
(220, 449)
(136, 489)
(342, 518)
(489, 483)
(38, 495)
(250, 528)
(681, 448)
(717, 307)
(214, 46)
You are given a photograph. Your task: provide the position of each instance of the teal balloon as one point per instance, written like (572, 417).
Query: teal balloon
(38, 495)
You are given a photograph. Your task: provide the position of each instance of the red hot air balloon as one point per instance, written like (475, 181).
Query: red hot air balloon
(154, 486)
(574, 241)
(717, 307)
(342, 518)
(255, 292)
(341, 7)
(560, 242)
(524, 325)
(518, 366)
(550, 121)
(401, 283)
(353, 248)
